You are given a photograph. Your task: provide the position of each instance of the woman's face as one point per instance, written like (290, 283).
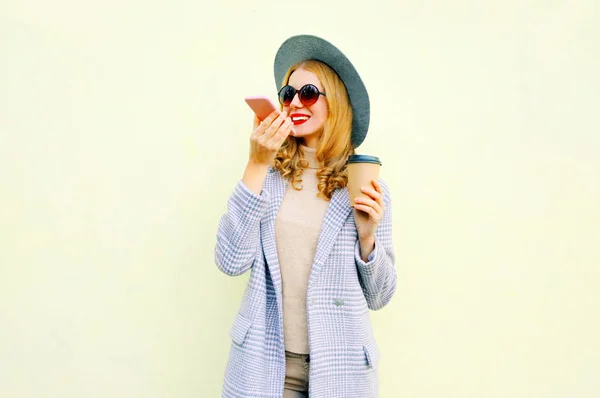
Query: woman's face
(308, 120)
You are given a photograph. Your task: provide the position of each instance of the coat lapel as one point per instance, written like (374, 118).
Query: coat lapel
(276, 187)
(337, 213)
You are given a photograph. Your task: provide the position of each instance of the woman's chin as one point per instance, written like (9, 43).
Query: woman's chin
(303, 131)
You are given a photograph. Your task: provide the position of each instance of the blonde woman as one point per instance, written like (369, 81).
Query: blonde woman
(317, 264)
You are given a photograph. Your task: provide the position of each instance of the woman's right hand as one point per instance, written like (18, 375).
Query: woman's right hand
(268, 136)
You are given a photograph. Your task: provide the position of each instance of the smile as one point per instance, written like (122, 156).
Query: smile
(299, 119)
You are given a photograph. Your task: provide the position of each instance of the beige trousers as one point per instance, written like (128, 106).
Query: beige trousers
(296, 375)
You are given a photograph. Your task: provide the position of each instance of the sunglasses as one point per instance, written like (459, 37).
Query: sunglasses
(308, 94)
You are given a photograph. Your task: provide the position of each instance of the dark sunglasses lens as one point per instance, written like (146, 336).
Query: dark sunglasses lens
(286, 96)
(309, 94)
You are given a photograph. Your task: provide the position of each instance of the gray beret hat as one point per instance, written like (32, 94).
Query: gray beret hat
(304, 47)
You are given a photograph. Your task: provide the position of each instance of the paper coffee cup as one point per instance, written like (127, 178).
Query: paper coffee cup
(362, 169)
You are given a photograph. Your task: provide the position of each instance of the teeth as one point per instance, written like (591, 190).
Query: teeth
(298, 118)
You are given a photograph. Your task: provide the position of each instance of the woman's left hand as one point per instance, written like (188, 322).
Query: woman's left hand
(368, 211)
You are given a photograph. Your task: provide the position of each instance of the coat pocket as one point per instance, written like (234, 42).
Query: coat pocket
(240, 328)
(372, 354)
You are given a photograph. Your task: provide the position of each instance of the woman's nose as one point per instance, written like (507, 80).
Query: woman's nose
(296, 103)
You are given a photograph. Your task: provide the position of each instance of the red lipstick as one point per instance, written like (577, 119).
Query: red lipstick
(299, 118)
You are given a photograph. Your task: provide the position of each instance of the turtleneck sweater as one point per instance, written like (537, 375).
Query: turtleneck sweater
(297, 229)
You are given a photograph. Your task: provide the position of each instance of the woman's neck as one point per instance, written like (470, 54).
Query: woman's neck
(310, 154)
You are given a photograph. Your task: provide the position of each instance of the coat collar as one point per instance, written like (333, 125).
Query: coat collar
(335, 216)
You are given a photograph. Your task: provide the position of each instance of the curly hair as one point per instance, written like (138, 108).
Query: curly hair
(334, 145)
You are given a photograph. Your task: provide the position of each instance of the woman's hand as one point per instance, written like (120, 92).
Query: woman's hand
(367, 214)
(268, 136)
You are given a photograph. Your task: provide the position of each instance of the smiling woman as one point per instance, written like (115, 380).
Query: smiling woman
(325, 129)
(317, 263)
(310, 112)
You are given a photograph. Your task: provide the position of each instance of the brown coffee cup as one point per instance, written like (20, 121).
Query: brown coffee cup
(362, 169)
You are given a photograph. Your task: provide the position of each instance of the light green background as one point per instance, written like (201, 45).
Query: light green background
(123, 131)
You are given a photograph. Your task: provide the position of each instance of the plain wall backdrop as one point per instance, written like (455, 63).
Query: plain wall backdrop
(123, 131)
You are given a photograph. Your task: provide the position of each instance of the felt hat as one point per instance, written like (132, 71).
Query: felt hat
(305, 47)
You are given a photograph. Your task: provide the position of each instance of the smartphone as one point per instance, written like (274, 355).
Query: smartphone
(261, 105)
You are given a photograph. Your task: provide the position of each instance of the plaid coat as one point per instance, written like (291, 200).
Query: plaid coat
(341, 290)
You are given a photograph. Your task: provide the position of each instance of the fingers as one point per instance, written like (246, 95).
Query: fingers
(255, 123)
(377, 186)
(370, 203)
(282, 133)
(270, 118)
(273, 127)
(376, 193)
(369, 210)
(260, 127)
(373, 204)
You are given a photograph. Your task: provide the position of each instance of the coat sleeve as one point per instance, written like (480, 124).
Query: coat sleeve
(238, 234)
(378, 275)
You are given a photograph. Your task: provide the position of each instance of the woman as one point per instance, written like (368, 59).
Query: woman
(317, 265)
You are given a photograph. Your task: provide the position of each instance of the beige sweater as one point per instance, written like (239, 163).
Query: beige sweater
(297, 229)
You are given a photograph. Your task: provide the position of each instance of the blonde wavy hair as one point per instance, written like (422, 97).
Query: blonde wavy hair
(334, 145)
